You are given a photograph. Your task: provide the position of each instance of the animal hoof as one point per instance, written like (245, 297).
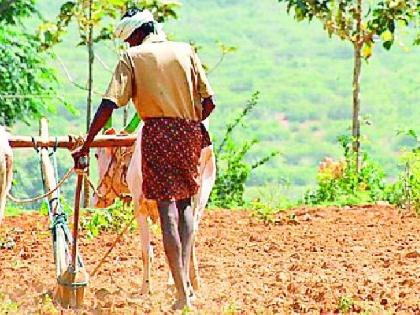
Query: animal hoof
(182, 305)
(195, 283)
(170, 289)
(192, 296)
(145, 289)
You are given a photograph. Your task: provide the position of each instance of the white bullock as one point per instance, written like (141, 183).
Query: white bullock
(6, 172)
(120, 173)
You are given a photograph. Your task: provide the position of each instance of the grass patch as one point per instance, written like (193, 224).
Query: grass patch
(12, 211)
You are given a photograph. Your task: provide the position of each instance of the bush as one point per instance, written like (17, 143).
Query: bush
(232, 169)
(113, 219)
(405, 192)
(339, 183)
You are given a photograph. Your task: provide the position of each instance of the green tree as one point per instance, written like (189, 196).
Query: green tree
(362, 23)
(27, 84)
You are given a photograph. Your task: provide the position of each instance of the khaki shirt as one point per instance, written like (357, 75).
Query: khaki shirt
(163, 78)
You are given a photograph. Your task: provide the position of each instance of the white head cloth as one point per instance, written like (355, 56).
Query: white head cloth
(129, 24)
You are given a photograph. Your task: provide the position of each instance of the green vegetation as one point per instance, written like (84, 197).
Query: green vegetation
(362, 24)
(26, 82)
(303, 77)
(339, 183)
(264, 212)
(405, 192)
(7, 306)
(233, 170)
(113, 218)
(345, 304)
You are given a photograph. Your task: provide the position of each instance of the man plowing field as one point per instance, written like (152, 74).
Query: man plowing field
(170, 91)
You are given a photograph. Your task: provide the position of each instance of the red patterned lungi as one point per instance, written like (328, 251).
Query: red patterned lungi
(171, 149)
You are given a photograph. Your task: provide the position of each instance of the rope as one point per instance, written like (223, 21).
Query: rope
(76, 142)
(37, 198)
(117, 239)
(91, 185)
(49, 193)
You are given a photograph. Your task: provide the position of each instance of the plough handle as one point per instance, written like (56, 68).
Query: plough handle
(81, 163)
(76, 219)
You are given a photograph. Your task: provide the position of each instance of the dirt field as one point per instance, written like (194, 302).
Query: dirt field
(369, 256)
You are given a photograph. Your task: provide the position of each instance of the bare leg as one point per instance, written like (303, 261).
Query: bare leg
(147, 252)
(185, 229)
(168, 213)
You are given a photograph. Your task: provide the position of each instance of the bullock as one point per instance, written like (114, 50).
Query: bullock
(120, 173)
(6, 172)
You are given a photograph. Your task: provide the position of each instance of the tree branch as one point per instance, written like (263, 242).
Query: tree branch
(71, 80)
(217, 63)
(104, 65)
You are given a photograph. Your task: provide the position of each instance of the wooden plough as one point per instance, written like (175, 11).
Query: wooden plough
(68, 261)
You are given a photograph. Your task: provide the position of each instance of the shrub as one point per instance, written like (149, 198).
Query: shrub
(232, 169)
(113, 218)
(405, 192)
(339, 183)
(345, 304)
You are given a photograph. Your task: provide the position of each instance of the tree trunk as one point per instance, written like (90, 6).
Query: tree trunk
(356, 86)
(86, 193)
(356, 105)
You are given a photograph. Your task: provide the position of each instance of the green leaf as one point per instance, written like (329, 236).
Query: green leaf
(43, 210)
(387, 36)
(367, 51)
(387, 45)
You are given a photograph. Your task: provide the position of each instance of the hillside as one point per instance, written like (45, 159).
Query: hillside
(303, 76)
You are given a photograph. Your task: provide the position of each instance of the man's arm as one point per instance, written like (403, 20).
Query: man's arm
(102, 115)
(208, 107)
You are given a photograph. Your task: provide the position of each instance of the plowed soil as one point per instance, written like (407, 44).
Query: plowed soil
(366, 257)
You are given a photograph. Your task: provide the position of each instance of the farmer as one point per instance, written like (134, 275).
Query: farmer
(170, 91)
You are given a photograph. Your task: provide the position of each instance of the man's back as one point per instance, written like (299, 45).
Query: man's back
(167, 79)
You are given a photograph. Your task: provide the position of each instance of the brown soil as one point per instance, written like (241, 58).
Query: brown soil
(368, 254)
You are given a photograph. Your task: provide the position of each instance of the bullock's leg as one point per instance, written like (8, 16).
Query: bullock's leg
(186, 229)
(169, 218)
(3, 184)
(194, 276)
(146, 253)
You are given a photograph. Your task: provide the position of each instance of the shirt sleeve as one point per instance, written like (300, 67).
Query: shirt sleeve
(204, 88)
(120, 89)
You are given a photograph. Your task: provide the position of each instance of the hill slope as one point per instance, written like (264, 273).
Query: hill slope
(303, 76)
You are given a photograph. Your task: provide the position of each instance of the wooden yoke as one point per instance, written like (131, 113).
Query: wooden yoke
(69, 142)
